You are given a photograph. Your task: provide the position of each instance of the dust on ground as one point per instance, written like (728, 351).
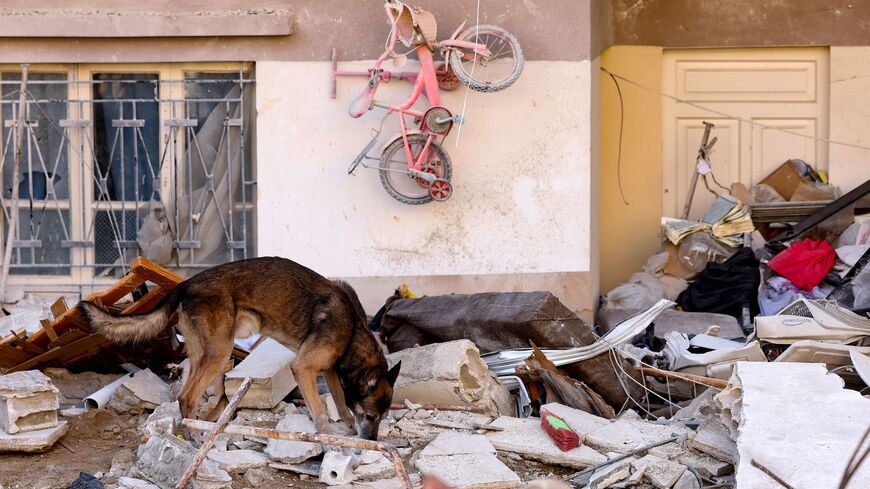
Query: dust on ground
(93, 439)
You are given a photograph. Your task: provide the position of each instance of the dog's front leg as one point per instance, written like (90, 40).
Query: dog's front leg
(306, 377)
(337, 391)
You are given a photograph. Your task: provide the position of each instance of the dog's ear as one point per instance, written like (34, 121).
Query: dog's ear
(393, 373)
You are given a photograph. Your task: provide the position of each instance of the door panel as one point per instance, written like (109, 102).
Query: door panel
(766, 91)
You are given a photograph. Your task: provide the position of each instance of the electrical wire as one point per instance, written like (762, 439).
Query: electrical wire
(619, 147)
(465, 100)
(731, 116)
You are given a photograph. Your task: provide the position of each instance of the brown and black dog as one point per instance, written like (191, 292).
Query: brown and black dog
(321, 320)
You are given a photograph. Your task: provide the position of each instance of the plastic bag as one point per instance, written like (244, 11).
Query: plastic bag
(641, 291)
(699, 249)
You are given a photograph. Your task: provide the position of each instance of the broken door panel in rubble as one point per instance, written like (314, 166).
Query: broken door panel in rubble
(496, 321)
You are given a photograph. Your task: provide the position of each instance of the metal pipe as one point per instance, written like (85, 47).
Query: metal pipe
(321, 439)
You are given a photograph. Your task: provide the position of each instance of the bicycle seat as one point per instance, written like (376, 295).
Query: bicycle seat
(363, 102)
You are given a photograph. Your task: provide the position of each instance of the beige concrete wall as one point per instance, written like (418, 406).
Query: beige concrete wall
(629, 232)
(850, 115)
(522, 211)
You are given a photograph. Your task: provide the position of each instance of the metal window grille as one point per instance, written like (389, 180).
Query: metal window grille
(129, 164)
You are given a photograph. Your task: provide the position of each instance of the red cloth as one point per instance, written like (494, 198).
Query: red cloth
(805, 263)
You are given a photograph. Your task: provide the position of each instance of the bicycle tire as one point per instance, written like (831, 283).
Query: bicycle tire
(387, 176)
(477, 84)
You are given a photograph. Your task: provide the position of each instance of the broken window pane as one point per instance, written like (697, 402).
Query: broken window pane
(43, 182)
(127, 135)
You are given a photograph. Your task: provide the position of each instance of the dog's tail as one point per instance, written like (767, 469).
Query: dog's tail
(131, 328)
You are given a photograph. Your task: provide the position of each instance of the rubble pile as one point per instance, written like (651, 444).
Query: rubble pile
(738, 357)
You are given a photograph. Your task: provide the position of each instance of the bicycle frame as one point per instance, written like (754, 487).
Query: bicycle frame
(425, 82)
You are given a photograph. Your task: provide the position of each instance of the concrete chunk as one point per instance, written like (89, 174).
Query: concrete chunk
(379, 469)
(336, 469)
(448, 373)
(453, 443)
(661, 472)
(293, 452)
(625, 435)
(712, 438)
(581, 422)
(164, 458)
(238, 461)
(470, 471)
(610, 474)
(269, 367)
(706, 465)
(131, 483)
(28, 402)
(143, 391)
(32, 441)
(687, 481)
(797, 420)
(526, 438)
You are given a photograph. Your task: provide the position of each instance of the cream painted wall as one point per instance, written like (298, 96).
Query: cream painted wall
(522, 202)
(630, 233)
(850, 115)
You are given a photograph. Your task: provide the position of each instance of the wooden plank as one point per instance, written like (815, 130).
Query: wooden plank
(11, 356)
(49, 329)
(69, 350)
(26, 345)
(68, 337)
(155, 273)
(12, 337)
(59, 307)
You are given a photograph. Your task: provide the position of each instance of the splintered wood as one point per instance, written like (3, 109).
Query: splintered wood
(564, 389)
(66, 340)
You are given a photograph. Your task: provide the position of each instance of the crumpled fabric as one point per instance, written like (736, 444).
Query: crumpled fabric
(725, 287)
(778, 292)
(805, 263)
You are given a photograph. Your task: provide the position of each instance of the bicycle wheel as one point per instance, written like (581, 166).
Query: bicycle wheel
(491, 74)
(395, 178)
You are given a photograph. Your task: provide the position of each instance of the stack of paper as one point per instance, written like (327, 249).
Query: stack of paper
(727, 221)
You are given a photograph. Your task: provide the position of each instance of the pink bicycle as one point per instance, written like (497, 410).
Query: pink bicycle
(414, 168)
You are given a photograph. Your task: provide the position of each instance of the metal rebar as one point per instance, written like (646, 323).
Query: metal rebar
(215, 432)
(321, 439)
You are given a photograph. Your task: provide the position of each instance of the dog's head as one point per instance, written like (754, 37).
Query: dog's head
(373, 394)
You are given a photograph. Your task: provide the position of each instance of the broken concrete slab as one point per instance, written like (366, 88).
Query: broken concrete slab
(293, 452)
(336, 469)
(448, 373)
(526, 438)
(661, 472)
(624, 435)
(380, 469)
(797, 420)
(164, 458)
(470, 471)
(131, 483)
(331, 408)
(611, 474)
(701, 406)
(269, 367)
(167, 417)
(28, 402)
(213, 394)
(713, 439)
(32, 441)
(143, 391)
(670, 451)
(238, 461)
(706, 465)
(581, 422)
(688, 481)
(453, 443)
(393, 483)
